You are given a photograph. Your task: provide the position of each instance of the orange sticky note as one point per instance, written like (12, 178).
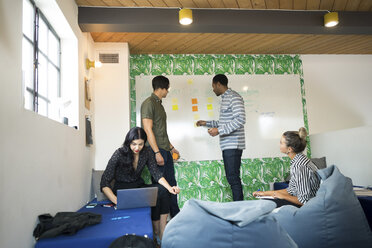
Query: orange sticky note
(194, 101)
(194, 108)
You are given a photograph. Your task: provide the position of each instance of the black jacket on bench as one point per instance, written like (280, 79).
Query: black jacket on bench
(64, 223)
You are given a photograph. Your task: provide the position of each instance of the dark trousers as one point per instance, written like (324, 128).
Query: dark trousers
(168, 174)
(282, 202)
(162, 201)
(232, 162)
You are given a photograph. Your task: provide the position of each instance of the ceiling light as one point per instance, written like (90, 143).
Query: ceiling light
(331, 19)
(185, 16)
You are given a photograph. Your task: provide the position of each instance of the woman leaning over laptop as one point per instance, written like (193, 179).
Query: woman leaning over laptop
(304, 182)
(126, 166)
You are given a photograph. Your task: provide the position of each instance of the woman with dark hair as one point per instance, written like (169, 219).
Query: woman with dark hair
(304, 182)
(126, 166)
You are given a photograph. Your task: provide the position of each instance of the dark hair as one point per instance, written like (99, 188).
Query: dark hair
(220, 78)
(296, 139)
(133, 134)
(160, 82)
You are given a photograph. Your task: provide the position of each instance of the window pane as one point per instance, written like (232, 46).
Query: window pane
(43, 76)
(27, 63)
(29, 100)
(43, 36)
(43, 107)
(53, 82)
(53, 50)
(28, 19)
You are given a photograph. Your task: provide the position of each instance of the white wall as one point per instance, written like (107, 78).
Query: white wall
(45, 166)
(339, 107)
(111, 99)
(349, 149)
(338, 91)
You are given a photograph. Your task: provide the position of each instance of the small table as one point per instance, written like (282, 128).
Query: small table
(115, 223)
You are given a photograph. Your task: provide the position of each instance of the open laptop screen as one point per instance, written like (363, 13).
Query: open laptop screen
(136, 197)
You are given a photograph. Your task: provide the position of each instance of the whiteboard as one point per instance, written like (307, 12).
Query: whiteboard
(273, 105)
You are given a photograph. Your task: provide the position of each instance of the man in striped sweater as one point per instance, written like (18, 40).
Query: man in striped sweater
(230, 128)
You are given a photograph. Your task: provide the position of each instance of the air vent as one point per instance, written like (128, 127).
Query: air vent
(109, 58)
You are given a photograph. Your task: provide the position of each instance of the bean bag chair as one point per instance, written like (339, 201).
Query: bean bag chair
(333, 218)
(225, 225)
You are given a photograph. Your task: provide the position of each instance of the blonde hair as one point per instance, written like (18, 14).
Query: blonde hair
(296, 139)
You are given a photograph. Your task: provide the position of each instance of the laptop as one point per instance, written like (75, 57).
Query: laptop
(136, 197)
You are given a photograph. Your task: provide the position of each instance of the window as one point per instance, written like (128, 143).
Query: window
(41, 63)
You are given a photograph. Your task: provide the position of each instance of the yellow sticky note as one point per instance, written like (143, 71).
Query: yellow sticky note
(194, 101)
(175, 100)
(194, 108)
(210, 99)
(211, 114)
(174, 107)
(209, 106)
(190, 81)
(196, 117)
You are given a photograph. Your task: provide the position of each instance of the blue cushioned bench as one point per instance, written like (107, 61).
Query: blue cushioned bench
(115, 223)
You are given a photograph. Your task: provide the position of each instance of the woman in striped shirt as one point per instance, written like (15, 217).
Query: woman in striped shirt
(304, 182)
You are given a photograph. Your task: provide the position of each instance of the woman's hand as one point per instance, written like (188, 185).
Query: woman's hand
(174, 190)
(110, 195)
(279, 194)
(257, 193)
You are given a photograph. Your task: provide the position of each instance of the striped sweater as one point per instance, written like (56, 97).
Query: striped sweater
(231, 123)
(304, 182)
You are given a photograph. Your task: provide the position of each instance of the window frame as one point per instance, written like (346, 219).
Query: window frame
(37, 16)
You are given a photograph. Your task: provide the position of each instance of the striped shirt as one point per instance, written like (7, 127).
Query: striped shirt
(304, 182)
(231, 123)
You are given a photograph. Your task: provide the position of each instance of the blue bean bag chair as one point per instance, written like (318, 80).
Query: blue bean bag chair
(333, 218)
(225, 225)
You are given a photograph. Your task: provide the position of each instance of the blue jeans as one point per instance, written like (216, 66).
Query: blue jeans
(232, 163)
(168, 173)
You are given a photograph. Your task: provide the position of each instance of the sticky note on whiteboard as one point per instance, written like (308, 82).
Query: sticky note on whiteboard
(174, 100)
(194, 101)
(194, 108)
(174, 107)
(210, 99)
(209, 106)
(196, 117)
(211, 114)
(190, 81)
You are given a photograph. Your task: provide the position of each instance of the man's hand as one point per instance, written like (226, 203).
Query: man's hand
(200, 123)
(213, 131)
(159, 159)
(174, 150)
(174, 190)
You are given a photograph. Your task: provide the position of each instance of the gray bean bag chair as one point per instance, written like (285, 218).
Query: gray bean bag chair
(333, 218)
(225, 225)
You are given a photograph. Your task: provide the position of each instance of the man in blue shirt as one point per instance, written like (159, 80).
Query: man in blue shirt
(230, 127)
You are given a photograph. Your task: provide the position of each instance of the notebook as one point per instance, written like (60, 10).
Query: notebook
(136, 198)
